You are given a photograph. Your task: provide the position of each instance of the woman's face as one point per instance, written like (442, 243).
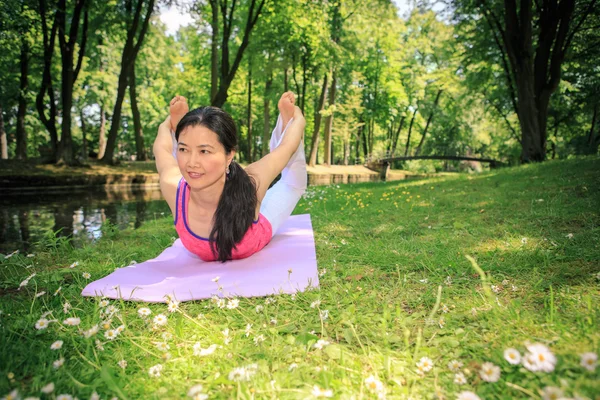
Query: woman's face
(201, 157)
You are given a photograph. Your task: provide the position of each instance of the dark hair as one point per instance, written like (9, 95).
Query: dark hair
(237, 205)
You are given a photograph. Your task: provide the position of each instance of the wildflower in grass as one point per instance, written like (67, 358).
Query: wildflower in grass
(273, 321)
(66, 307)
(162, 346)
(99, 345)
(26, 281)
(293, 296)
(320, 344)
(455, 365)
(14, 395)
(30, 255)
(173, 306)
(111, 310)
(233, 303)
(318, 392)
(144, 312)
(259, 308)
(120, 328)
(248, 327)
(425, 364)
(442, 322)
(570, 235)
(199, 351)
(243, 373)
(489, 372)
(57, 291)
(551, 393)
(259, 339)
(106, 324)
(539, 358)
(166, 356)
(167, 335)
(160, 320)
(459, 378)
(111, 334)
(195, 392)
(315, 303)
(122, 364)
(216, 279)
(512, 356)
(374, 385)
(91, 332)
(58, 363)
(49, 388)
(40, 294)
(292, 366)
(95, 396)
(56, 345)
(445, 309)
(473, 311)
(269, 300)
(324, 314)
(467, 396)
(589, 361)
(64, 397)
(42, 323)
(514, 288)
(73, 321)
(75, 264)
(323, 272)
(155, 370)
(104, 303)
(496, 288)
(221, 303)
(524, 240)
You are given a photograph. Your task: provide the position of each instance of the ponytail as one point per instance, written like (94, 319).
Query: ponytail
(235, 212)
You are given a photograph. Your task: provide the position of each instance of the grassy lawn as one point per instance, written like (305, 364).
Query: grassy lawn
(417, 279)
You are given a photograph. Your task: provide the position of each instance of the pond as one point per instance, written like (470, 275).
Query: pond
(27, 217)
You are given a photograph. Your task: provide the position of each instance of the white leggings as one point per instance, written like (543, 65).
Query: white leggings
(281, 199)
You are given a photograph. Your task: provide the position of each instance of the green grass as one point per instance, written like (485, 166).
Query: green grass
(385, 250)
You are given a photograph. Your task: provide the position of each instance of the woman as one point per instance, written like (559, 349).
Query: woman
(223, 211)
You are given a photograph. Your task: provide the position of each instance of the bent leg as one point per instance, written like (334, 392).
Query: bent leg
(281, 199)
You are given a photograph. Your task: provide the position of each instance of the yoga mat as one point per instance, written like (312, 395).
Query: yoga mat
(185, 276)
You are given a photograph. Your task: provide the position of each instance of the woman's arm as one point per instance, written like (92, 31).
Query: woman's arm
(265, 170)
(166, 164)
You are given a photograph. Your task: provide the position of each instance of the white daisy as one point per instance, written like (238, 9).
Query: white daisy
(91, 332)
(40, 294)
(173, 306)
(122, 364)
(56, 345)
(243, 373)
(259, 308)
(58, 363)
(195, 390)
(73, 321)
(144, 312)
(76, 263)
(489, 372)
(248, 327)
(86, 275)
(233, 303)
(445, 309)
(111, 334)
(425, 364)
(57, 291)
(49, 388)
(467, 396)
(539, 358)
(64, 397)
(551, 393)
(66, 307)
(155, 370)
(455, 365)
(162, 346)
(120, 328)
(167, 335)
(589, 361)
(460, 379)
(374, 385)
(570, 235)
(221, 303)
(160, 320)
(259, 339)
(318, 392)
(324, 314)
(512, 356)
(199, 351)
(292, 366)
(320, 344)
(216, 279)
(104, 303)
(42, 323)
(315, 303)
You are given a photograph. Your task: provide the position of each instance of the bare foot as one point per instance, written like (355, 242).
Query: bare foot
(286, 107)
(178, 107)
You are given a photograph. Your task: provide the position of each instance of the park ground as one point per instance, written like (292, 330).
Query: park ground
(424, 285)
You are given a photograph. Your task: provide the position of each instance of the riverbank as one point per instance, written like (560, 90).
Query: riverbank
(19, 176)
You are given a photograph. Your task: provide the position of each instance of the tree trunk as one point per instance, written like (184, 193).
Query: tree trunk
(329, 121)
(346, 151)
(130, 52)
(3, 141)
(102, 140)
(285, 79)
(249, 112)
(84, 142)
(266, 115)
(590, 140)
(214, 50)
(409, 132)
(304, 81)
(317, 128)
(395, 140)
(137, 124)
(21, 132)
(431, 114)
(363, 138)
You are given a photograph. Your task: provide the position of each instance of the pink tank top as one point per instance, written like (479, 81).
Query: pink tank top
(258, 235)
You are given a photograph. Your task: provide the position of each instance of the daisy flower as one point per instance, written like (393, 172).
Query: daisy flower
(455, 365)
(160, 320)
(318, 392)
(173, 306)
(162, 346)
(40, 294)
(324, 314)
(155, 370)
(73, 321)
(320, 344)
(539, 358)
(315, 303)
(144, 312)
(512, 356)
(489, 372)
(259, 339)
(233, 303)
(196, 392)
(91, 332)
(259, 308)
(58, 363)
(589, 361)
(104, 303)
(425, 364)
(467, 396)
(243, 373)
(374, 384)
(111, 334)
(248, 327)
(64, 397)
(86, 275)
(199, 351)
(42, 323)
(551, 393)
(66, 307)
(460, 379)
(49, 388)
(292, 366)
(445, 309)
(56, 345)
(122, 364)
(167, 335)
(120, 328)
(76, 263)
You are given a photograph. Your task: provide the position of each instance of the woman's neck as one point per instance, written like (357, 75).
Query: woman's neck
(207, 198)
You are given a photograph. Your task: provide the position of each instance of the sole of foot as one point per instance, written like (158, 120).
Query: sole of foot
(178, 107)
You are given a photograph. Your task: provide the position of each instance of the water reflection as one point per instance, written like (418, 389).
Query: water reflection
(25, 218)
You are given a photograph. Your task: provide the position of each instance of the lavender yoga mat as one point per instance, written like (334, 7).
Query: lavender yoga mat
(182, 274)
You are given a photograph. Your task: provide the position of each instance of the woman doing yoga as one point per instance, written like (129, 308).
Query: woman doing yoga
(223, 211)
